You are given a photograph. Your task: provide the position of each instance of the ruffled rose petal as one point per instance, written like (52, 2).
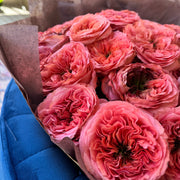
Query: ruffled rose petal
(154, 43)
(176, 28)
(123, 142)
(60, 28)
(119, 19)
(68, 65)
(170, 120)
(48, 44)
(63, 112)
(158, 89)
(89, 28)
(111, 53)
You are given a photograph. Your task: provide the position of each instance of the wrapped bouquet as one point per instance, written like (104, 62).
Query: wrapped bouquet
(110, 92)
(108, 78)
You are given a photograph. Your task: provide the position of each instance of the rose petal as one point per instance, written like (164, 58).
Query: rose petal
(123, 142)
(111, 53)
(170, 120)
(90, 28)
(68, 65)
(119, 19)
(63, 112)
(154, 43)
(160, 90)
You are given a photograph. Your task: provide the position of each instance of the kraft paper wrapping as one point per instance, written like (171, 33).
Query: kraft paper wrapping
(19, 43)
(19, 50)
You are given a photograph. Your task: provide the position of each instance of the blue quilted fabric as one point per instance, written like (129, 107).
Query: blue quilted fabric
(26, 152)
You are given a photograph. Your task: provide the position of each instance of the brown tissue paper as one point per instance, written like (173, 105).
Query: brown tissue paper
(19, 49)
(19, 43)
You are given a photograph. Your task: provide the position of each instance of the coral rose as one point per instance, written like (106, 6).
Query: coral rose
(89, 28)
(48, 44)
(154, 43)
(68, 65)
(176, 28)
(111, 53)
(144, 85)
(119, 19)
(63, 112)
(170, 120)
(123, 142)
(59, 29)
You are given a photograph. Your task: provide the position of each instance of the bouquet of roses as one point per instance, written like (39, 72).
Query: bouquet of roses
(110, 84)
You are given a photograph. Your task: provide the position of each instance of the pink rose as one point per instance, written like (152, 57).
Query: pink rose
(121, 141)
(170, 120)
(176, 74)
(119, 19)
(63, 112)
(59, 29)
(154, 43)
(144, 85)
(44, 54)
(89, 28)
(68, 65)
(111, 53)
(48, 44)
(52, 41)
(176, 28)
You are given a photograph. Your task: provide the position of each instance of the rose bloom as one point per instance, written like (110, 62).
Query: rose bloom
(68, 65)
(121, 141)
(144, 85)
(111, 53)
(48, 44)
(176, 74)
(176, 28)
(53, 41)
(119, 19)
(154, 43)
(89, 28)
(59, 29)
(170, 120)
(63, 112)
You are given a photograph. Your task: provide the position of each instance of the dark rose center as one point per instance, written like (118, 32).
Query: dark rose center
(154, 43)
(137, 79)
(124, 152)
(62, 72)
(136, 60)
(176, 145)
(108, 54)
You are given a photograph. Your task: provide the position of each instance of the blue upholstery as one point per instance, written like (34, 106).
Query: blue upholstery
(26, 152)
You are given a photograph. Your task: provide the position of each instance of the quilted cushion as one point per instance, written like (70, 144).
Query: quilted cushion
(26, 151)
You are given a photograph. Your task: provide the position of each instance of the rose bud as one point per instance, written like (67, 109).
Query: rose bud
(68, 65)
(65, 110)
(144, 85)
(111, 53)
(89, 28)
(121, 141)
(154, 43)
(170, 120)
(119, 19)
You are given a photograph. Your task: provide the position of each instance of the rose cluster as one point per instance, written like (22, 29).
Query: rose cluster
(111, 84)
